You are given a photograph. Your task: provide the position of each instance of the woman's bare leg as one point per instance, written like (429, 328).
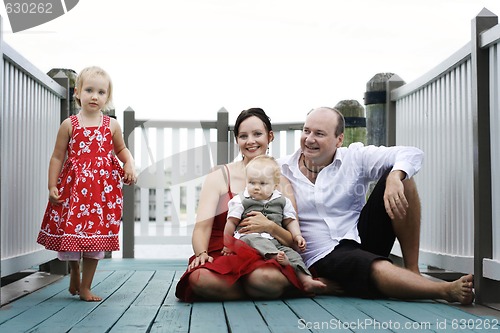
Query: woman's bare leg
(88, 271)
(401, 283)
(266, 283)
(212, 286)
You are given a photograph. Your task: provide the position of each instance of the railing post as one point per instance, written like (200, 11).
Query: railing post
(1, 122)
(394, 82)
(128, 190)
(63, 80)
(355, 121)
(61, 75)
(480, 101)
(222, 136)
(380, 110)
(57, 266)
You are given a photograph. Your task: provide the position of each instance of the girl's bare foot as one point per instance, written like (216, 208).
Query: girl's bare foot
(74, 282)
(461, 290)
(86, 295)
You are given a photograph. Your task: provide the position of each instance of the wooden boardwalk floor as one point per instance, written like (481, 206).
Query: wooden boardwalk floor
(139, 297)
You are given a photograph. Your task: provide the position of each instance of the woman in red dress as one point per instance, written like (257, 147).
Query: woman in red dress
(213, 276)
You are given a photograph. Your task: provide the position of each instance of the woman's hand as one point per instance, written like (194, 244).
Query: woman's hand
(200, 260)
(226, 251)
(256, 222)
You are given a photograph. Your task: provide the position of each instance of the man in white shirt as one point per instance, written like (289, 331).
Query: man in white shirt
(349, 239)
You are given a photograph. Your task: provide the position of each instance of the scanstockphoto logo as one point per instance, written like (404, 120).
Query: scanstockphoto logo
(28, 14)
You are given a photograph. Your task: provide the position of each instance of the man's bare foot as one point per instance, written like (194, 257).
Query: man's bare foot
(311, 285)
(74, 282)
(86, 295)
(461, 290)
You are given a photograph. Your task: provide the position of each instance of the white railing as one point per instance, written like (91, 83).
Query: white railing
(492, 40)
(30, 118)
(172, 159)
(453, 114)
(436, 116)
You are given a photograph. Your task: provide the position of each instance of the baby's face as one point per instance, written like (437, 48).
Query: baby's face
(260, 182)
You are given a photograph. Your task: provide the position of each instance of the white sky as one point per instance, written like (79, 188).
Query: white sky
(185, 59)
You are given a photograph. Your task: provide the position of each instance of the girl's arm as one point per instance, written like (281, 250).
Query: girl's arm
(122, 153)
(57, 160)
(213, 187)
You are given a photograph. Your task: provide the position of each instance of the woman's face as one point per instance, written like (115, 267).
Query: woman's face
(253, 138)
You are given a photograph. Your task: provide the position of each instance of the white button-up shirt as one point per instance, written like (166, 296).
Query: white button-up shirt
(328, 210)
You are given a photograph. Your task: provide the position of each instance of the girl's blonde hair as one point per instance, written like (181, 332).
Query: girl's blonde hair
(93, 71)
(265, 161)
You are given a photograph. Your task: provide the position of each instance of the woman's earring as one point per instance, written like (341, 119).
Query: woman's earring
(267, 152)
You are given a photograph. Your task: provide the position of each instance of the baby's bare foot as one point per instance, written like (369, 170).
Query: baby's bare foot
(89, 297)
(282, 259)
(332, 287)
(461, 290)
(312, 286)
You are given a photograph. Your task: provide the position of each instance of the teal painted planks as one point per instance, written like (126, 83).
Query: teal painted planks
(208, 317)
(135, 319)
(314, 316)
(156, 290)
(173, 316)
(243, 317)
(278, 316)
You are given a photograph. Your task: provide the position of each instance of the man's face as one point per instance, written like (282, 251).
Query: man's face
(318, 140)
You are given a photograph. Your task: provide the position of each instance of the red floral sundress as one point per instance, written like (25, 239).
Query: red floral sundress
(90, 185)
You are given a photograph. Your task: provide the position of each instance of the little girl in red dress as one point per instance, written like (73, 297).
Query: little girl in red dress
(83, 215)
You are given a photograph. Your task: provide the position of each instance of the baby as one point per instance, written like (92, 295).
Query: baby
(263, 176)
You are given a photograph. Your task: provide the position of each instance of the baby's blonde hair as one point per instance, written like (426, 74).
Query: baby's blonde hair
(93, 71)
(266, 161)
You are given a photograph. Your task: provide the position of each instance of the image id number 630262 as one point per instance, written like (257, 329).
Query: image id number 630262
(28, 8)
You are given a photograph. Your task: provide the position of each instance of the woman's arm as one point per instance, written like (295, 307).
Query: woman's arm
(213, 187)
(229, 229)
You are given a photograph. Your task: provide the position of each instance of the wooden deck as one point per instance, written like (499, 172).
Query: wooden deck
(139, 297)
